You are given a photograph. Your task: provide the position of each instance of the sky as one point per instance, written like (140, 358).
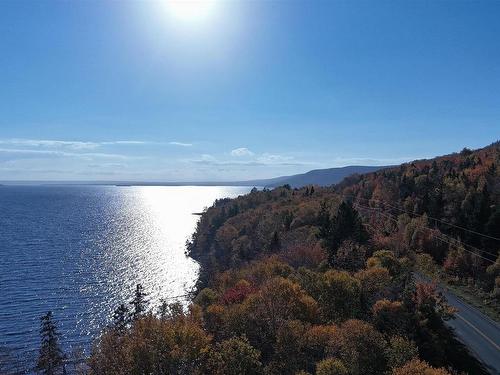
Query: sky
(233, 90)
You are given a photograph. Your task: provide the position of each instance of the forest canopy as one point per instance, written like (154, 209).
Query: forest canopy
(319, 280)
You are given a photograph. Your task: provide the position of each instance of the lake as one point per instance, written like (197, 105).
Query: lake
(79, 251)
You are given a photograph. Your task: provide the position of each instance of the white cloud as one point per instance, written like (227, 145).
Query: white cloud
(75, 145)
(207, 158)
(274, 158)
(342, 162)
(84, 155)
(264, 160)
(182, 144)
(123, 143)
(242, 151)
(81, 145)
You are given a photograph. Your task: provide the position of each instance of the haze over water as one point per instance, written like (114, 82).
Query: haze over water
(79, 251)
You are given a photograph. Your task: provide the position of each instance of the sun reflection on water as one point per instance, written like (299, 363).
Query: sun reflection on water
(79, 251)
(149, 236)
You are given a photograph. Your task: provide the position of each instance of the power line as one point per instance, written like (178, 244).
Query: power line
(449, 240)
(464, 244)
(430, 217)
(470, 246)
(452, 242)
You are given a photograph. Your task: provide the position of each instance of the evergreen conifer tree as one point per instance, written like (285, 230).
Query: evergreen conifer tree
(275, 244)
(139, 303)
(50, 359)
(345, 225)
(121, 318)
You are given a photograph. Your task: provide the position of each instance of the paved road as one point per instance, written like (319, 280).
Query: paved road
(477, 331)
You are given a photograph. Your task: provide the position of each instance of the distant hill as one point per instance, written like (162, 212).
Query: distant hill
(321, 177)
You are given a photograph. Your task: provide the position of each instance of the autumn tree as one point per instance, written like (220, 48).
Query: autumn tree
(457, 262)
(235, 356)
(400, 351)
(375, 284)
(289, 349)
(428, 310)
(350, 256)
(318, 341)
(418, 367)
(493, 274)
(399, 268)
(281, 299)
(331, 366)
(361, 347)
(152, 346)
(340, 297)
(390, 317)
(206, 297)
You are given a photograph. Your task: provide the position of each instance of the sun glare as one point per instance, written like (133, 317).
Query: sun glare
(190, 10)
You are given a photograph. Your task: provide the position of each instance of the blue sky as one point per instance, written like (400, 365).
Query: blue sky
(129, 91)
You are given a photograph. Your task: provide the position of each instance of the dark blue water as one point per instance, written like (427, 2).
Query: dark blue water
(79, 251)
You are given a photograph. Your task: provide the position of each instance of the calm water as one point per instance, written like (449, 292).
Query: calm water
(80, 250)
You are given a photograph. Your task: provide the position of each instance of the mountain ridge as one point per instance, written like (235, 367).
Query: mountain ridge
(321, 177)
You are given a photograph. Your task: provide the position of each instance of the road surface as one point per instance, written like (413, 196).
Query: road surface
(476, 330)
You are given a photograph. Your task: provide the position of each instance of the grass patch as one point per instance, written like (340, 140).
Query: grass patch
(468, 292)
(475, 297)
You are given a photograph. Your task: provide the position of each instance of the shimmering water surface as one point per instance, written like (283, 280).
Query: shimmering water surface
(80, 250)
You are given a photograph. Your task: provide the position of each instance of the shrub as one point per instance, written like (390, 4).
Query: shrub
(418, 367)
(235, 356)
(331, 366)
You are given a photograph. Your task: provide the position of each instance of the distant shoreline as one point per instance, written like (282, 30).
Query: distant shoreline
(123, 184)
(119, 184)
(319, 177)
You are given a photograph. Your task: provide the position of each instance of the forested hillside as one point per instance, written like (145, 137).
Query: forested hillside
(319, 280)
(456, 198)
(461, 189)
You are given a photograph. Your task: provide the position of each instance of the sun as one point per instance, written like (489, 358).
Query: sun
(191, 11)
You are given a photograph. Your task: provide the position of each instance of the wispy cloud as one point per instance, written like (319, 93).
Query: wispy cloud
(124, 143)
(249, 163)
(341, 162)
(182, 144)
(55, 153)
(274, 158)
(75, 145)
(263, 160)
(208, 158)
(108, 165)
(242, 151)
(82, 145)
